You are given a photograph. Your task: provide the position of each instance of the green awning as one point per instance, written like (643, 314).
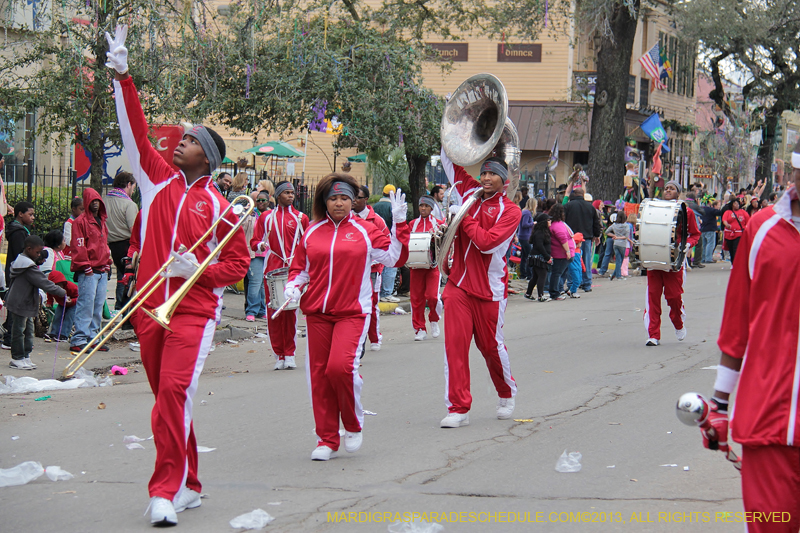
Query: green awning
(276, 149)
(359, 158)
(227, 161)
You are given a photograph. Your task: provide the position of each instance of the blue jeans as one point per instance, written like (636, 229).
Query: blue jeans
(255, 298)
(524, 270)
(608, 251)
(709, 245)
(556, 283)
(89, 309)
(62, 326)
(587, 256)
(619, 257)
(387, 285)
(575, 273)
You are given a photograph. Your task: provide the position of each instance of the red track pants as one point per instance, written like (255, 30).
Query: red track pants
(671, 285)
(375, 319)
(173, 362)
(333, 348)
(771, 484)
(424, 290)
(282, 330)
(468, 316)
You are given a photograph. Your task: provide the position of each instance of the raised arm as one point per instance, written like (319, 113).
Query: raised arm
(488, 240)
(458, 177)
(395, 251)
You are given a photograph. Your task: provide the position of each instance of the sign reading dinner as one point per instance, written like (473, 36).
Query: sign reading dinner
(519, 53)
(450, 51)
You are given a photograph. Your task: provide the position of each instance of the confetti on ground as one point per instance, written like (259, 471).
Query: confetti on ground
(42, 398)
(523, 420)
(204, 449)
(615, 423)
(671, 465)
(101, 405)
(548, 371)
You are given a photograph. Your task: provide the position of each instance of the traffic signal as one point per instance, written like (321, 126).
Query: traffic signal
(779, 134)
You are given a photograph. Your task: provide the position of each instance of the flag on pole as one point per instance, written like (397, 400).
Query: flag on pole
(651, 62)
(652, 128)
(664, 67)
(552, 162)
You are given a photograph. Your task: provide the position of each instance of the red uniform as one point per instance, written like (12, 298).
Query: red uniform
(175, 213)
(761, 325)
(374, 332)
(90, 237)
(335, 261)
(476, 293)
(424, 282)
(284, 228)
(670, 283)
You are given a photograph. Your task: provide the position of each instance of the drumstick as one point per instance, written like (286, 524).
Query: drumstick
(281, 308)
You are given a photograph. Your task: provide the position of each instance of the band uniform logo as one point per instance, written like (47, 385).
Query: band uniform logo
(199, 209)
(490, 211)
(349, 237)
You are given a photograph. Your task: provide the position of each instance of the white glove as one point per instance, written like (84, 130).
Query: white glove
(292, 293)
(454, 209)
(117, 53)
(182, 266)
(263, 247)
(399, 206)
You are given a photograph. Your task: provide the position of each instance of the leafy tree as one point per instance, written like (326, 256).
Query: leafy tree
(759, 41)
(59, 69)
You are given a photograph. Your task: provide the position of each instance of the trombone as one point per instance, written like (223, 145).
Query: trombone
(241, 206)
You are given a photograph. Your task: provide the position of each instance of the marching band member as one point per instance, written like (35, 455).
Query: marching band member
(476, 293)
(366, 212)
(759, 340)
(177, 208)
(334, 259)
(669, 283)
(283, 228)
(425, 281)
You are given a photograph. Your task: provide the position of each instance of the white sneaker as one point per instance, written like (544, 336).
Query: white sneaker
(375, 347)
(505, 408)
(652, 342)
(680, 333)
(390, 299)
(162, 512)
(322, 453)
(186, 499)
(455, 420)
(280, 364)
(421, 335)
(435, 330)
(20, 364)
(33, 365)
(288, 362)
(352, 441)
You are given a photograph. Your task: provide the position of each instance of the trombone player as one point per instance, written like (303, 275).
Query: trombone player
(178, 208)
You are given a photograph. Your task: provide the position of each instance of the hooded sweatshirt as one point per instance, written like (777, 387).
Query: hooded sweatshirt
(23, 297)
(16, 233)
(72, 290)
(89, 243)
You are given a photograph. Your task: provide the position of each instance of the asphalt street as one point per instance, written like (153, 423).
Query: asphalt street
(586, 382)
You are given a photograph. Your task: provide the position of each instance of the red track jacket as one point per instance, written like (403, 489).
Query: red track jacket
(281, 226)
(174, 213)
(89, 239)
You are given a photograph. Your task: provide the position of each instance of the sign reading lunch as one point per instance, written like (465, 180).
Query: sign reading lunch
(519, 53)
(450, 51)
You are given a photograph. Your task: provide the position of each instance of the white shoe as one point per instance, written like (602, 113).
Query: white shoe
(288, 362)
(33, 365)
(455, 420)
(375, 347)
(280, 364)
(505, 408)
(390, 299)
(322, 453)
(162, 512)
(421, 335)
(186, 499)
(352, 441)
(435, 330)
(652, 342)
(680, 333)
(20, 364)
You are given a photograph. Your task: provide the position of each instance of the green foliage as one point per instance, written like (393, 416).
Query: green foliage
(52, 208)
(387, 166)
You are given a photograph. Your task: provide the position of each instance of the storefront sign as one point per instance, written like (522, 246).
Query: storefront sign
(519, 53)
(451, 51)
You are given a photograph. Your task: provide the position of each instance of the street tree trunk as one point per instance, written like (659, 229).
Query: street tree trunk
(416, 179)
(607, 138)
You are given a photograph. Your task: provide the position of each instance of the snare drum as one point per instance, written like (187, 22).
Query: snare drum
(421, 251)
(275, 282)
(659, 242)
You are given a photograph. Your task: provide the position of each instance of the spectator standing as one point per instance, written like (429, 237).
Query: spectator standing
(734, 220)
(582, 217)
(607, 249)
(575, 267)
(54, 246)
(709, 230)
(524, 235)
(64, 313)
(16, 232)
(223, 183)
(238, 185)
(438, 192)
(255, 296)
(562, 248)
(121, 211)
(23, 300)
(91, 263)
(539, 257)
(76, 207)
(524, 199)
(620, 231)
(383, 208)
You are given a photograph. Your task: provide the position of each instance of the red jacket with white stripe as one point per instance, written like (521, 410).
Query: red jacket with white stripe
(281, 227)
(761, 324)
(371, 216)
(335, 259)
(479, 250)
(90, 237)
(174, 213)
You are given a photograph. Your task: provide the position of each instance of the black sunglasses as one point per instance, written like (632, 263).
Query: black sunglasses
(361, 197)
(262, 200)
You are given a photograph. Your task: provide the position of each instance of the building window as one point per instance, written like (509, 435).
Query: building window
(644, 92)
(631, 90)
